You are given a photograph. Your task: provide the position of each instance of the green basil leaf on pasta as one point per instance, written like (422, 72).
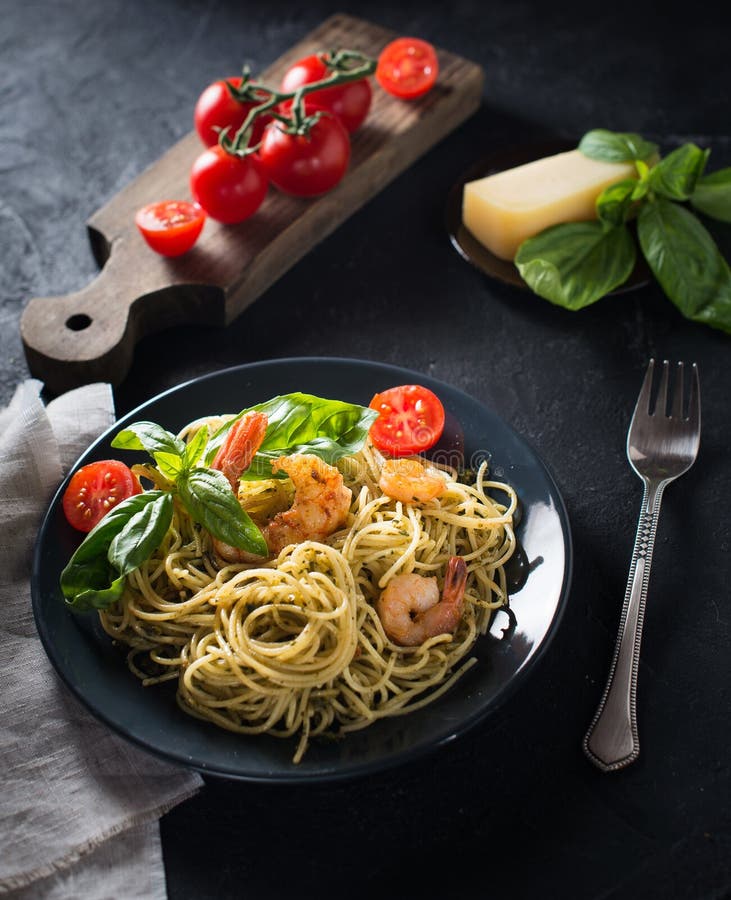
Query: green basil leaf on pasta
(141, 535)
(150, 437)
(712, 195)
(170, 464)
(194, 448)
(209, 500)
(613, 146)
(89, 580)
(576, 264)
(686, 262)
(675, 176)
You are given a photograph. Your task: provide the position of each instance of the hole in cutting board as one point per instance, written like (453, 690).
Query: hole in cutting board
(78, 322)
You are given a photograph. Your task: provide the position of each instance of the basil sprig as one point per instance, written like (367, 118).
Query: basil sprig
(303, 423)
(127, 535)
(131, 532)
(575, 264)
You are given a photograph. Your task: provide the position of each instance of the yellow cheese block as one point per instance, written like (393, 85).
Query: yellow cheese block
(504, 209)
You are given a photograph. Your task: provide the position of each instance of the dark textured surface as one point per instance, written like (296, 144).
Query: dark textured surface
(91, 93)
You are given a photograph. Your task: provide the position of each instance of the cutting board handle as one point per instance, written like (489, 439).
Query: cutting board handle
(90, 335)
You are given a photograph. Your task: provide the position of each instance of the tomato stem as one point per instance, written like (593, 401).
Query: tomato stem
(345, 66)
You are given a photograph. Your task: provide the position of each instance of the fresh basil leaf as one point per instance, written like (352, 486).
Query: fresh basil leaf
(640, 191)
(613, 146)
(170, 464)
(150, 437)
(643, 170)
(89, 580)
(675, 176)
(142, 535)
(712, 195)
(614, 203)
(304, 423)
(575, 264)
(194, 449)
(686, 262)
(208, 498)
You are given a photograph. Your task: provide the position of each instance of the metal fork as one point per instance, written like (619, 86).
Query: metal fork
(661, 446)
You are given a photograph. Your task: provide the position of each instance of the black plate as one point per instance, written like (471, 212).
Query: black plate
(470, 249)
(96, 671)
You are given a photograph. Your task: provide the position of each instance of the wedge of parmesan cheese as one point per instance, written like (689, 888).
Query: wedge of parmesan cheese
(504, 209)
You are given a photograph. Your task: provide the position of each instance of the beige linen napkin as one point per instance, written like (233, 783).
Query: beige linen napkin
(79, 807)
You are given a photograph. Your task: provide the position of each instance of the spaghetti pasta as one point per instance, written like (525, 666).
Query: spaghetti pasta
(293, 646)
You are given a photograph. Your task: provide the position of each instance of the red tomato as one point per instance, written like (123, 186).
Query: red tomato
(411, 420)
(216, 108)
(95, 489)
(306, 165)
(407, 68)
(350, 102)
(229, 188)
(170, 227)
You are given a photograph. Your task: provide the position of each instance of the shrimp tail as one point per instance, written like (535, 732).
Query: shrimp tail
(240, 446)
(455, 580)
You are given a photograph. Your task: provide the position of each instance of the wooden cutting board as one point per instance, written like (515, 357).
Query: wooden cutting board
(90, 335)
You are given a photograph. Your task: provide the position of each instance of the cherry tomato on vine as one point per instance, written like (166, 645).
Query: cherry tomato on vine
(407, 68)
(170, 227)
(95, 489)
(229, 188)
(216, 108)
(350, 102)
(411, 420)
(306, 165)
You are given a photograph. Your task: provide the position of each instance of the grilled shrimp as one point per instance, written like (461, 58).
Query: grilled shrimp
(408, 481)
(411, 610)
(320, 507)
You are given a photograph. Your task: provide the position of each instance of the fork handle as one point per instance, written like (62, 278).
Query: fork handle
(612, 740)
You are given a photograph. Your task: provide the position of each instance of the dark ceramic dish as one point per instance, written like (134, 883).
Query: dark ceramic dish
(96, 671)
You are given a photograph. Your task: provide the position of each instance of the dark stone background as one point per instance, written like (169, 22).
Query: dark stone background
(91, 93)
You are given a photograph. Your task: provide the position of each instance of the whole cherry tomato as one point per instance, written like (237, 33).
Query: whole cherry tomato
(170, 227)
(216, 108)
(407, 68)
(229, 188)
(411, 420)
(350, 102)
(95, 489)
(308, 164)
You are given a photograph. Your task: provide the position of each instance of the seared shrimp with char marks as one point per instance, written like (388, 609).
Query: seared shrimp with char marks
(411, 610)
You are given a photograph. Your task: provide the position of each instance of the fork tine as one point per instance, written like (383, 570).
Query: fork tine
(661, 404)
(694, 404)
(676, 410)
(643, 398)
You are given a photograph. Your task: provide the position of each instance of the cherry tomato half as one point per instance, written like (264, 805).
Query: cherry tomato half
(306, 165)
(170, 227)
(350, 102)
(95, 489)
(229, 188)
(216, 109)
(411, 420)
(407, 68)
